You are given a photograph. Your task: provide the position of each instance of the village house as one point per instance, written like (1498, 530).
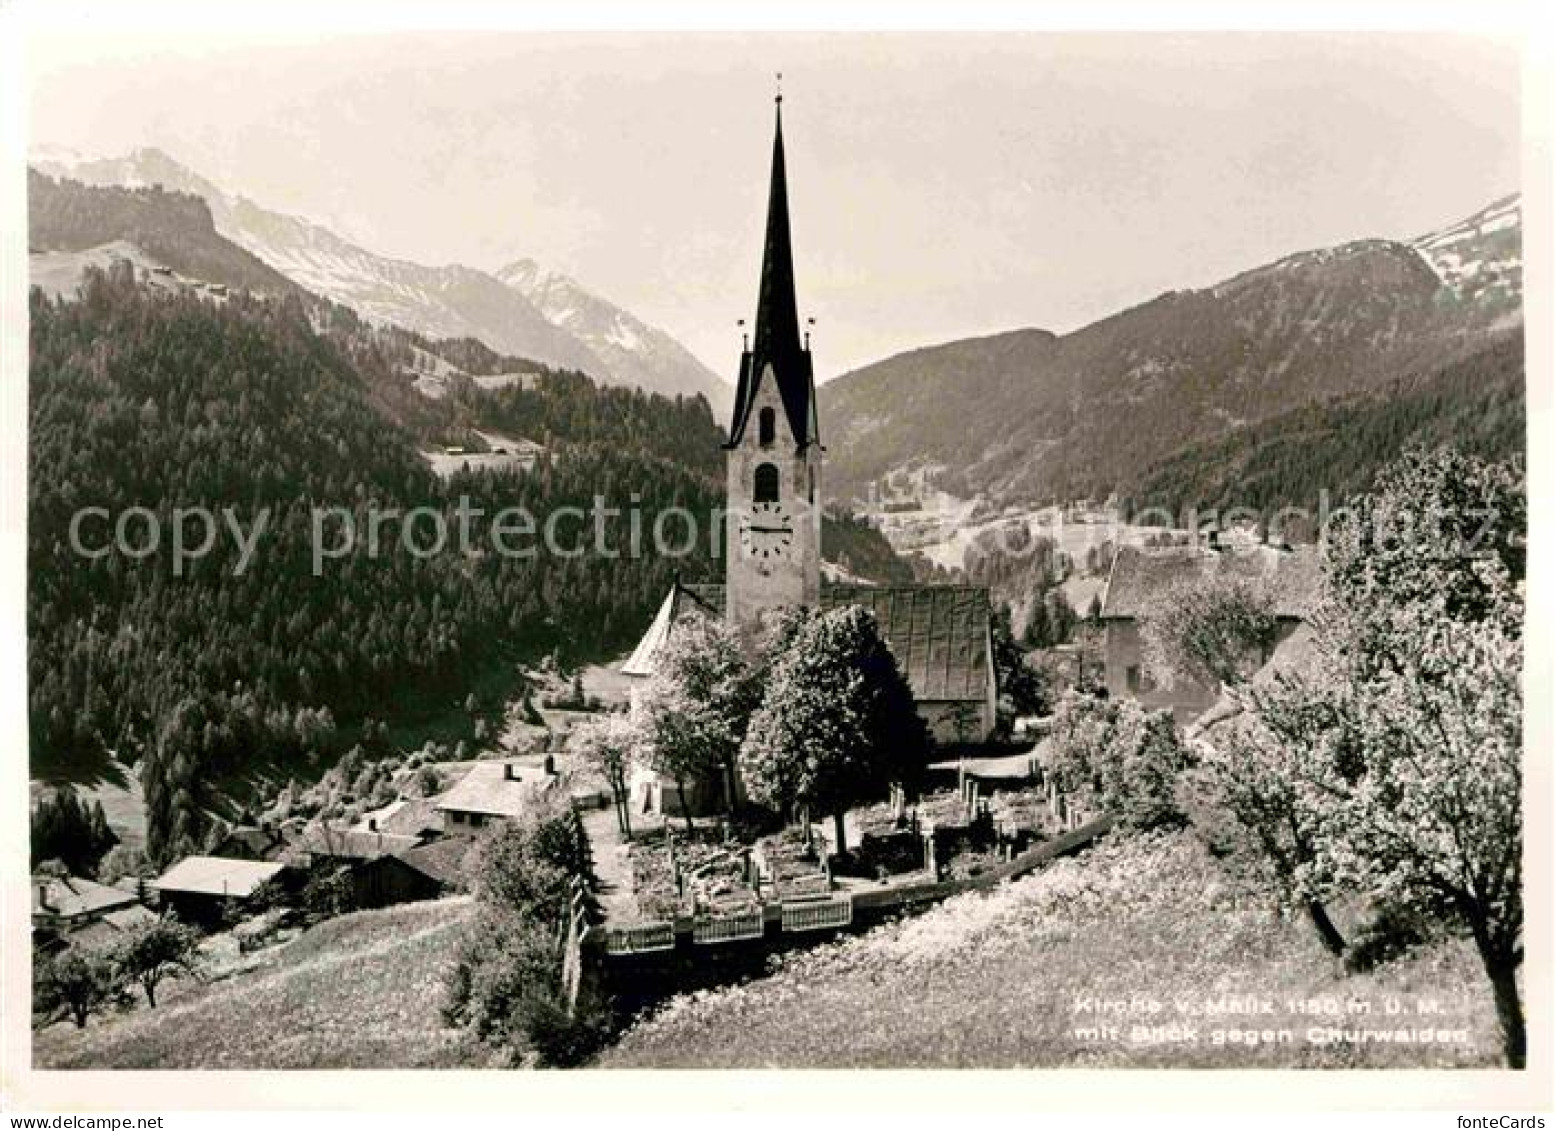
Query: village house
(1141, 575)
(103, 932)
(406, 816)
(374, 863)
(940, 635)
(492, 793)
(204, 889)
(71, 906)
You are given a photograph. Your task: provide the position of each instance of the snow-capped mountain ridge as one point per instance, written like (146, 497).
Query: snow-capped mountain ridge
(1480, 258)
(571, 328)
(625, 342)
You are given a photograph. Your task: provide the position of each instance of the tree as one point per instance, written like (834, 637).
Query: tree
(529, 865)
(329, 891)
(155, 951)
(692, 715)
(1402, 747)
(1023, 690)
(606, 745)
(1210, 630)
(65, 829)
(122, 860)
(75, 983)
(506, 980)
(1247, 804)
(837, 723)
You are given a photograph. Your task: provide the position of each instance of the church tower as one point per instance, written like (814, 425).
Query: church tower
(772, 536)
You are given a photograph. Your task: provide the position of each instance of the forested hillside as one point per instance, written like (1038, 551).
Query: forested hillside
(140, 400)
(1476, 404)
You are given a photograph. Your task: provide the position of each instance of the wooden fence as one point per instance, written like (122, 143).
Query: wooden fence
(640, 938)
(708, 929)
(818, 914)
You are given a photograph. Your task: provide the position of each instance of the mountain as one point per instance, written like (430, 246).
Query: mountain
(69, 221)
(1480, 259)
(635, 352)
(572, 330)
(1030, 416)
(1337, 447)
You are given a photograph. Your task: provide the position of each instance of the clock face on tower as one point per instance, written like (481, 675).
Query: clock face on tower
(767, 535)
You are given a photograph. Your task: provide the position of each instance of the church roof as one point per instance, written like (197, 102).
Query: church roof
(1140, 573)
(708, 600)
(777, 341)
(938, 634)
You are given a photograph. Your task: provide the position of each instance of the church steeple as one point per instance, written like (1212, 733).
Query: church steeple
(777, 342)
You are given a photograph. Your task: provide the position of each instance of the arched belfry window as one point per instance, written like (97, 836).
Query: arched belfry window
(766, 485)
(767, 427)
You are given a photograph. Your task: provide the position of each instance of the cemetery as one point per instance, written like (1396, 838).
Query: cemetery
(715, 885)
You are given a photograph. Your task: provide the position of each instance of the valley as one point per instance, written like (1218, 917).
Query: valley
(190, 349)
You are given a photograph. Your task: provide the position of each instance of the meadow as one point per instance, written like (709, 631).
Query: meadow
(360, 991)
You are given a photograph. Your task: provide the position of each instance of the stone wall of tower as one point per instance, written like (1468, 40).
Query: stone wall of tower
(754, 586)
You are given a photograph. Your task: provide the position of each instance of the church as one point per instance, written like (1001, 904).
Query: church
(939, 634)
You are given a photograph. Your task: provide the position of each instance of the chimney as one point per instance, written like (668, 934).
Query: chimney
(509, 772)
(43, 897)
(550, 765)
(372, 824)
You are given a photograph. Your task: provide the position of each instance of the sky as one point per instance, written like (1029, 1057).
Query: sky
(942, 185)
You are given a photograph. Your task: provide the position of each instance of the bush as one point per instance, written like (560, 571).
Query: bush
(564, 1038)
(506, 983)
(891, 854)
(329, 892)
(1120, 757)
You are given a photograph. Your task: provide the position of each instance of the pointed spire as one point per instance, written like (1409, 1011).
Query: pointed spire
(777, 340)
(777, 311)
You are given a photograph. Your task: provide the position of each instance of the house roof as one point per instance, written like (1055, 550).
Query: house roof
(135, 915)
(251, 843)
(1295, 655)
(217, 875)
(487, 789)
(71, 897)
(106, 930)
(1139, 574)
(353, 843)
(938, 633)
(405, 817)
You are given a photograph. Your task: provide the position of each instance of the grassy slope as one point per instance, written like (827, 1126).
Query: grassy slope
(360, 991)
(991, 980)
